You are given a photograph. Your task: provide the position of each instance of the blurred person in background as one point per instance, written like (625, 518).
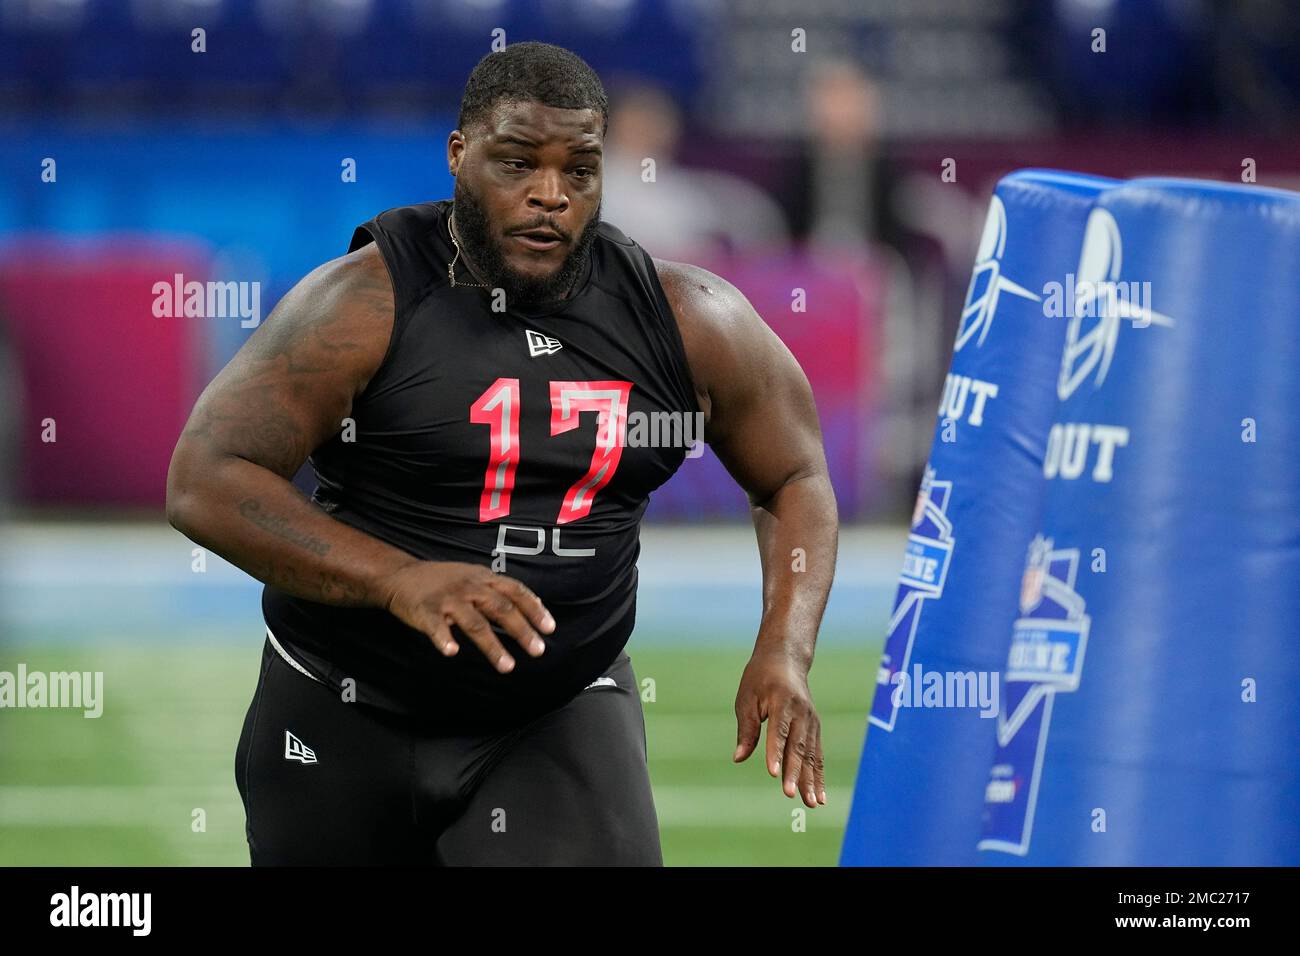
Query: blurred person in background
(839, 192)
(673, 210)
(10, 402)
(848, 202)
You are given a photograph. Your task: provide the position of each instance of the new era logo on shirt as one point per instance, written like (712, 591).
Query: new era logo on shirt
(539, 344)
(295, 749)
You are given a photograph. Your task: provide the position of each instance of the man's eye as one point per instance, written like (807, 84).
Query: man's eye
(584, 172)
(514, 163)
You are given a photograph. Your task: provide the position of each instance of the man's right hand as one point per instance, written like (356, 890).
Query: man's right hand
(431, 596)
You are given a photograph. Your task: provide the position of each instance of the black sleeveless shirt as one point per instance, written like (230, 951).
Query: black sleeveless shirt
(528, 441)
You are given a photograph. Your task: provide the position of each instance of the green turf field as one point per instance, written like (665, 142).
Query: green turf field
(123, 789)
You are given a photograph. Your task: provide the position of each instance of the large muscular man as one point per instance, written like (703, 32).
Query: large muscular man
(444, 679)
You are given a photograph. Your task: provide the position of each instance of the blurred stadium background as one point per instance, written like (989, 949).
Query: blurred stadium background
(127, 157)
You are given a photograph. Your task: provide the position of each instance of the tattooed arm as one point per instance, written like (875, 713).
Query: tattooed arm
(287, 390)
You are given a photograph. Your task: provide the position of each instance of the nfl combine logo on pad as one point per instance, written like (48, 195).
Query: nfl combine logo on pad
(925, 568)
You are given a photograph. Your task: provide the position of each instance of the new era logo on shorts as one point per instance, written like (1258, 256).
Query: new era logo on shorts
(295, 749)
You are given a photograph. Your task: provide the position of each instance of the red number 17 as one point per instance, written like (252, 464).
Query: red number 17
(498, 408)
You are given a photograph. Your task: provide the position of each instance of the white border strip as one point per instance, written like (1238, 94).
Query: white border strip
(289, 660)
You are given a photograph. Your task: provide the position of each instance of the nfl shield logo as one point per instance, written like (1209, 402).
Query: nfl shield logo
(1031, 589)
(923, 495)
(918, 512)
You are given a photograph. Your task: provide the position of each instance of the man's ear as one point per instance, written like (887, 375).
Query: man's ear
(455, 150)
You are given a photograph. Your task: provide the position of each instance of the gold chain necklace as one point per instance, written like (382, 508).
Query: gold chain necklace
(451, 266)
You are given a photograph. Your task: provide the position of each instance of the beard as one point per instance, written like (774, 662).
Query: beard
(485, 251)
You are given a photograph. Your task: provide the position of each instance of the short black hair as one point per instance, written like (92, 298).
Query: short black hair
(549, 74)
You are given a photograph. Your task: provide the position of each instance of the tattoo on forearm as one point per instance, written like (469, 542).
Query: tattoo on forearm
(326, 587)
(278, 525)
(335, 589)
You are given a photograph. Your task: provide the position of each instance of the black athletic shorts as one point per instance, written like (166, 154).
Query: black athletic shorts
(327, 782)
